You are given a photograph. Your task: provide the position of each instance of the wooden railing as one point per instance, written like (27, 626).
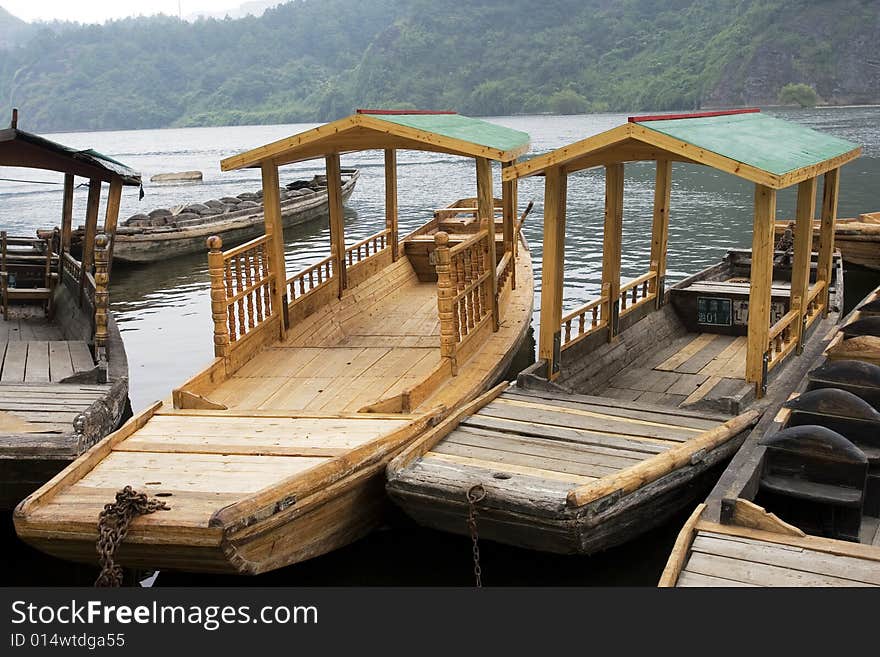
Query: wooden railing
(584, 321)
(782, 338)
(367, 247)
(815, 302)
(311, 278)
(241, 290)
(637, 292)
(464, 289)
(504, 270)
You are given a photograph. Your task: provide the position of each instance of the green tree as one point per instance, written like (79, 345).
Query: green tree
(798, 94)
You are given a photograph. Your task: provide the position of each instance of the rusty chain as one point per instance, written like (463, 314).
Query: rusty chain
(475, 495)
(113, 523)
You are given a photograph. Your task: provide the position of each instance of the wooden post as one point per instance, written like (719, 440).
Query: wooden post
(759, 288)
(275, 233)
(391, 216)
(111, 217)
(830, 189)
(552, 270)
(508, 199)
(486, 212)
(337, 222)
(803, 249)
(66, 215)
(88, 248)
(446, 291)
(612, 238)
(660, 227)
(218, 296)
(102, 298)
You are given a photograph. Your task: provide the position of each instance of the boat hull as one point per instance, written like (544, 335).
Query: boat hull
(148, 246)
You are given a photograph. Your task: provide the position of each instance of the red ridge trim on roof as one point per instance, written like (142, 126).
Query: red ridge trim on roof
(693, 115)
(381, 111)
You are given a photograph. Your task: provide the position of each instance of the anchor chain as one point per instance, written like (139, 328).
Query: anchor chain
(475, 495)
(113, 523)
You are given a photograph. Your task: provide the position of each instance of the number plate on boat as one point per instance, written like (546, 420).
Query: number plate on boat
(714, 311)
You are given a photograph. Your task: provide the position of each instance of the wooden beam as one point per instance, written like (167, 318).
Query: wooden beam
(830, 190)
(391, 215)
(508, 217)
(660, 227)
(88, 249)
(67, 213)
(759, 288)
(275, 233)
(552, 270)
(611, 249)
(337, 221)
(486, 213)
(111, 218)
(803, 249)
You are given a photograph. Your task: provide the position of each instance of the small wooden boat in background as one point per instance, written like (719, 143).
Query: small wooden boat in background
(859, 338)
(641, 395)
(63, 367)
(800, 503)
(142, 239)
(857, 239)
(276, 452)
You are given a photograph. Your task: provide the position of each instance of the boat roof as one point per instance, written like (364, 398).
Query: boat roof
(24, 149)
(746, 143)
(442, 132)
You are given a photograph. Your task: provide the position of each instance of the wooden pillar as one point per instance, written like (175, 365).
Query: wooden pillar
(803, 249)
(660, 227)
(111, 218)
(552, 270)
(391, 215)
(216, 270)
(612, 238)
(830, 189)
(486, 212)
(275, 233)
(337, 222)
(508, 200)
(102, 297)
(446, 291)
(88, 248)
(66, 214)
(759, 289)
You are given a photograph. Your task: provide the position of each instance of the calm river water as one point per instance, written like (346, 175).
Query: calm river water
(164, 312)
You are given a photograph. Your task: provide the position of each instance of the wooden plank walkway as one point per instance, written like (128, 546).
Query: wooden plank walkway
(556, 437)
(45, 407)
(726, 559)
(696, 367)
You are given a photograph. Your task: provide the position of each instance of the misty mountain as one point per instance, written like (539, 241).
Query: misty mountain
(317, 60)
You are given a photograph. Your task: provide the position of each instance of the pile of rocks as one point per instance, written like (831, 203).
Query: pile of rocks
(200, 213)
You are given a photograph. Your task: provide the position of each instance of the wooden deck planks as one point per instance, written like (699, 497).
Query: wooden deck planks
(761, 563)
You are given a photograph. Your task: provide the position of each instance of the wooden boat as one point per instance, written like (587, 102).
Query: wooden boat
(63, 368)
(639, 396)
(800, 503)
(145, 244)
(858, 239)
(860, 337)
(276, 452)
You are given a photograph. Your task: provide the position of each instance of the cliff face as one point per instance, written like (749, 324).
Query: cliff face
(826, 46)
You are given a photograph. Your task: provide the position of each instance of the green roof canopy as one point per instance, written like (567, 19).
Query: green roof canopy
(441, 132)
(761, 141)
(745, 143)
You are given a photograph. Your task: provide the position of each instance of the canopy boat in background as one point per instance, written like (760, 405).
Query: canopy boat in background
(276, 452)
(63, 367)
(640, 396)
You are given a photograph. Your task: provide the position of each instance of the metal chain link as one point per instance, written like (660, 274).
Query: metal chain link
(475, 495)
(113, 526)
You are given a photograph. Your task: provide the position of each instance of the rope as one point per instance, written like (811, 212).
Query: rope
(37, 182)
(113, 525)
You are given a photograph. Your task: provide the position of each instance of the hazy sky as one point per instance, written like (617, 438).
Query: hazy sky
(97, 11)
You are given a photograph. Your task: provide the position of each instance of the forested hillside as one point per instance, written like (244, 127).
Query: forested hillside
(316, 60)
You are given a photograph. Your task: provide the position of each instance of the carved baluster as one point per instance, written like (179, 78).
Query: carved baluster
(567, 331)
(461, 283)
(102, 298)
(230, 307)
(582, 320)
(239, 286)
(218, 296)
(248, 280)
